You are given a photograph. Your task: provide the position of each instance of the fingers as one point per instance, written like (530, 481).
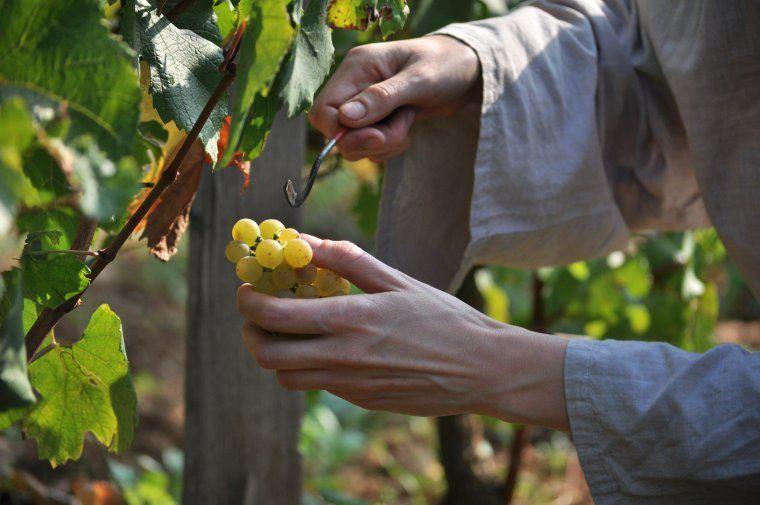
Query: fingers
(381, 141)
(290, 352)
(348, 381)
(369, 85)
(284, 315)
(377, 101)
(283, 353)
(361, 268)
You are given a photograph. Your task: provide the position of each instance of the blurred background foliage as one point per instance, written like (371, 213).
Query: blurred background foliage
(675, 287)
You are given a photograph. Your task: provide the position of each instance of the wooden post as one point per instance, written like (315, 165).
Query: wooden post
(242, 429)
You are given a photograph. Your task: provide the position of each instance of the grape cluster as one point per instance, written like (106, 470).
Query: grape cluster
(276, 261)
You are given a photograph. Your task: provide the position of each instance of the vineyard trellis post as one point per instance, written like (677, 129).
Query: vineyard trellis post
(242, 429)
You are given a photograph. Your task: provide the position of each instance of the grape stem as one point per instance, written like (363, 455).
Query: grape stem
(48, 318)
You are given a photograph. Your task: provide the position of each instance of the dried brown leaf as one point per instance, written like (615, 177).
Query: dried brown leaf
(167, 220)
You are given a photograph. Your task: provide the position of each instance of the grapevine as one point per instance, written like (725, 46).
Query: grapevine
(107, 134)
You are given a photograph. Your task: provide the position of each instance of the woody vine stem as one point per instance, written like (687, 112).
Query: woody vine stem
(48, 318)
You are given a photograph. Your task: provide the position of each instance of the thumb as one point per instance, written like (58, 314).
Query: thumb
(379, 100)
(358, 266)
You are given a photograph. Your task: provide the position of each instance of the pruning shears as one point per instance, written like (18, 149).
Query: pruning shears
(297, 199)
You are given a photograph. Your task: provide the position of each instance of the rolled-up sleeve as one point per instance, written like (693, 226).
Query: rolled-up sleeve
(656, 424)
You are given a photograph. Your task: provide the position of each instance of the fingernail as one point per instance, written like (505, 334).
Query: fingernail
(372, 143)
(354, 110)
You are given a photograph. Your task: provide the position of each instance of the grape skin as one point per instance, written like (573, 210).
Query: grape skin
(344, 286)
(298, 253)
(248, 269)
(270, 253)
(246, 230)
(306, 291)
(307, 274)
(265, 284)
(284, 277)
(287, 235)
(326, 282)
(236, 250)
(270, 228)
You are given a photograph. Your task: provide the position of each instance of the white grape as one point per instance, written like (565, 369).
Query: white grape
(327, 282)
(246, 230)
(284, 277)
(287, 235)
(270, 228)
(236, 250)
(248, 269)
(298, 253)
(269, 253)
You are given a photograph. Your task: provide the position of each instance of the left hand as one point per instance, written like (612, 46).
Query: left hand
(403, 346)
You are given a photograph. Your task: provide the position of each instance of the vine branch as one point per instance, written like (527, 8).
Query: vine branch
(48, 318)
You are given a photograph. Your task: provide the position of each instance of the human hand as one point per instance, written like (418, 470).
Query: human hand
(379, 90)
(403, 346)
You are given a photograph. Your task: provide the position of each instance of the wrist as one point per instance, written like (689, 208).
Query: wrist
(524, 381)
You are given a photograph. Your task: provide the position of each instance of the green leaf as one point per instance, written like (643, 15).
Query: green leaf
(18, 134)
(309, 61)
(393, 14)
(15, 391)
(265, 43)
(84, 387)
(638, 317)
(49, 281)
(257, 129)
(579, 270)
(105, 187)
(63, 220)
(226, 17)
(184, 61)
(56, 52)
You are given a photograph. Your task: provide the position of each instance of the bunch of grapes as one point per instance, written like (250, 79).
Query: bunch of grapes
(276, 261)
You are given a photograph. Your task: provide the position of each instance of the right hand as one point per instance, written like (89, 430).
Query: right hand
(379, 90)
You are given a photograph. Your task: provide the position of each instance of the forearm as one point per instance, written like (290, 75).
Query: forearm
(525, 379)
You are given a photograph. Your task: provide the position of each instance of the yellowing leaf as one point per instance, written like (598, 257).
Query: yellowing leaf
(361, 14)
(350, 14)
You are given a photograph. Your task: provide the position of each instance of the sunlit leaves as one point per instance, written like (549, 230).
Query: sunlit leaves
(184, 59)
(18, 134)
(51, 279)
(84, 387)
(266, 41)
(59, 51)
(309, 60)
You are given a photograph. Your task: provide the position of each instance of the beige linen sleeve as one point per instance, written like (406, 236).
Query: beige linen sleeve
(560, 165)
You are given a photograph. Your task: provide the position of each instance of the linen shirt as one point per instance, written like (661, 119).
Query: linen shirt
(598, 119)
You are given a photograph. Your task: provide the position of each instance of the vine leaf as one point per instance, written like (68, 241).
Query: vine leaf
(309, 61)
(15, 391)
(83, 387)
(18, 134)
(51, 281)
(362, 14)
(262, 49)
(59, 51)
(184, 64)
(257, 128)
